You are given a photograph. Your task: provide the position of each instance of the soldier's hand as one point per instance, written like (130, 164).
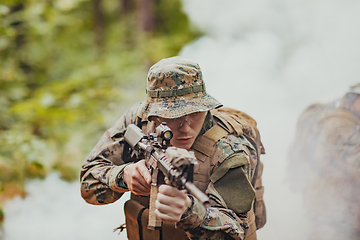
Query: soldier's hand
(138, 178)
(171, 203)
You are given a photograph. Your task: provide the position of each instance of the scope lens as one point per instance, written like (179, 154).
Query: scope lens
(167, 135)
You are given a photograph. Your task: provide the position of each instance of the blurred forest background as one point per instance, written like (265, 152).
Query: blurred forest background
(67, 70)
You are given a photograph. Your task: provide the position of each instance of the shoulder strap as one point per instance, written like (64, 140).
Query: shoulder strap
(240, 123)
(207, 141)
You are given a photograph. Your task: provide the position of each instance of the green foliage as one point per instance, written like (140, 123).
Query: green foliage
(1, 215)
(67, 73)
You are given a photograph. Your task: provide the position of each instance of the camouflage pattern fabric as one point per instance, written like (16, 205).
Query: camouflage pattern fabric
(175, 87)
(325, 158)
(101, 180)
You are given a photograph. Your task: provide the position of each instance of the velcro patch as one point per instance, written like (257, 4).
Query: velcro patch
(234, 187)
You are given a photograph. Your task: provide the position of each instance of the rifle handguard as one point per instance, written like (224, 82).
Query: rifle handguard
(198, 194)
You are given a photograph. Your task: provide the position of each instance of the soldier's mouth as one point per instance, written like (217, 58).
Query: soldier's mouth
(184, 140)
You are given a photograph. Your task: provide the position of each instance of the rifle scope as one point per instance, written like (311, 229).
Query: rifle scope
(164, 132)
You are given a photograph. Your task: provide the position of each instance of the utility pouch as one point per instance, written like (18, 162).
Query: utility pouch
(259, 204)
(259, 208)
(137, 217)
(251, 231)
(232, 184)
(133, 211)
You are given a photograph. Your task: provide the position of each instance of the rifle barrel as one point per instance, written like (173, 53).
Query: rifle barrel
(198, 194)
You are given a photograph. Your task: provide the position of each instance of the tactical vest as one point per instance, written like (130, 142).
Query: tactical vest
(240, 124)
(136, 209)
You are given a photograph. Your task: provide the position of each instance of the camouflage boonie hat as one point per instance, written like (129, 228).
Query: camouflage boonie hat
(175, 87)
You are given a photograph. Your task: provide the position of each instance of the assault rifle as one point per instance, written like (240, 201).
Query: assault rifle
(176, 165)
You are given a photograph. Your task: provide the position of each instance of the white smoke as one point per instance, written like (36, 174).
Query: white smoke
(272, 59)
(55, 210)
(269, 58)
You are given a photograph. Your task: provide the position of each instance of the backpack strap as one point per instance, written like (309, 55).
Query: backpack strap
(240, 123)
(207, 141)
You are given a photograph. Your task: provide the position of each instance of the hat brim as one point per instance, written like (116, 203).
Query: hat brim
(177, 107)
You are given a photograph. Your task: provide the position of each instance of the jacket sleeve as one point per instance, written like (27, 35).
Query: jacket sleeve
(101, 174)
(225, 219)
(216, 222)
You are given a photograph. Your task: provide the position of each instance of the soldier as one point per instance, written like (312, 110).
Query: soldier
(325, 166)
(226, 144)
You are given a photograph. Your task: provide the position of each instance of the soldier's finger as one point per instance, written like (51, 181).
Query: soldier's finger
(138, 178)
(144, 171)
(141, 187)
(171, 191)
(141, 192)
(172, 211)
(172, 202)
(165, 217)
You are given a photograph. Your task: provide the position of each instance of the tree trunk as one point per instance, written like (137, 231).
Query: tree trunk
(146, 15)
(125, 7)
(98, 23)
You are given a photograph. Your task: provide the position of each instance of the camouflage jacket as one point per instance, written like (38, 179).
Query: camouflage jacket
(324, 165)
(101, 180)
(338, 142)
(327, 143)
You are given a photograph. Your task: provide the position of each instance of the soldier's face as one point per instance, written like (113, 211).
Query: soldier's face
(185, 129)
